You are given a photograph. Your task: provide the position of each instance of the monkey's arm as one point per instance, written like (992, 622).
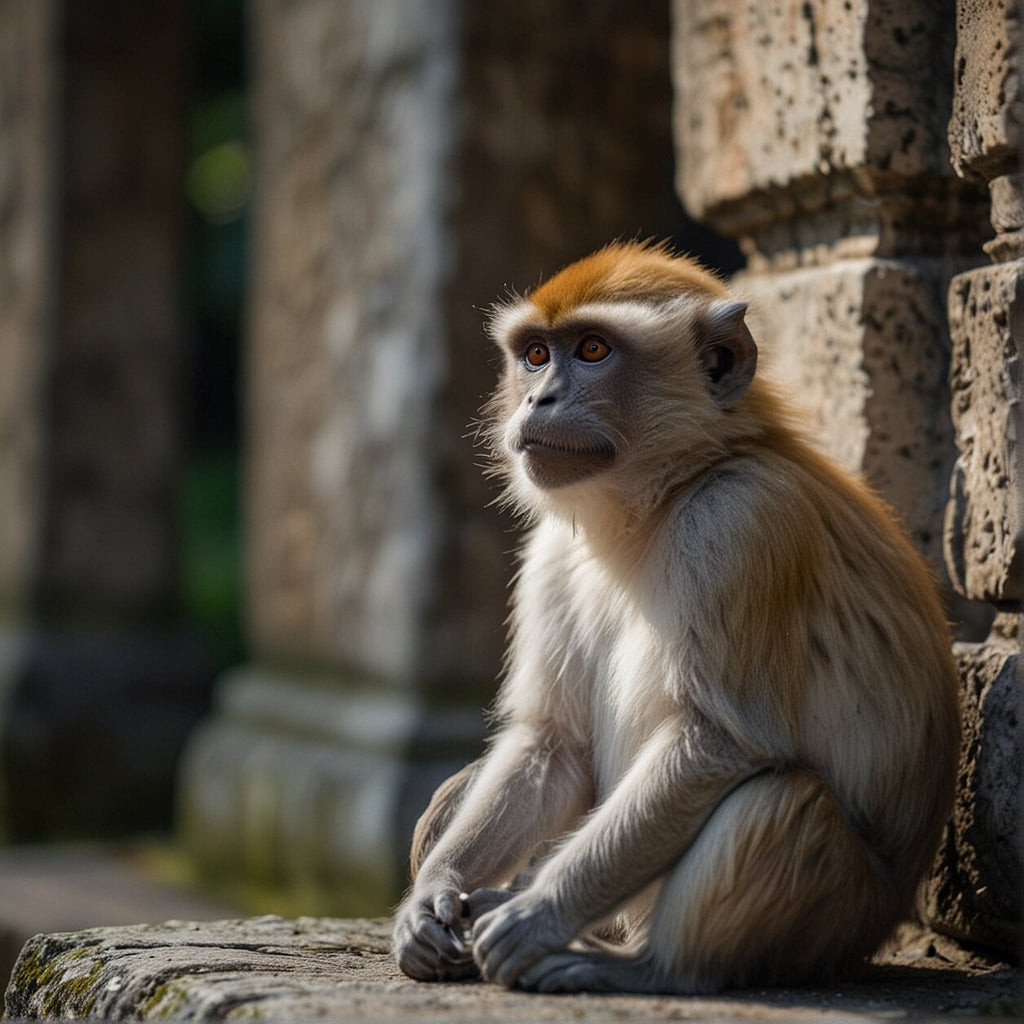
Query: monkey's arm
(635, 835)
(530, 787)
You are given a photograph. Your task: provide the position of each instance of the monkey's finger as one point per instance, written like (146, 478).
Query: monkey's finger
(448, 908)
(557, 972)
(503, 952)
(415, 957)
(418, 964)
(506, 963)
(482, 901)
(423, 961)
(424, 966)
(445, 944)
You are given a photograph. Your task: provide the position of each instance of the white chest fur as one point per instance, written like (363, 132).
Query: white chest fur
(624, 676)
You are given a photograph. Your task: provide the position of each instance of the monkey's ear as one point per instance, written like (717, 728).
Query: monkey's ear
(727, 351)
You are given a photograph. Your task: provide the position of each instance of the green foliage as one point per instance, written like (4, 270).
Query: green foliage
(217, 186)
(1005, 1007)
(212, 551)
(219, 178)
(219, 181)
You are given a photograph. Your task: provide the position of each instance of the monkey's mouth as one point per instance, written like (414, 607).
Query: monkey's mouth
(558, 462)
(597, 448)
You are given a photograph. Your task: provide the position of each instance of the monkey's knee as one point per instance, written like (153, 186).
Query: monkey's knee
(777, 888)
(438, 815)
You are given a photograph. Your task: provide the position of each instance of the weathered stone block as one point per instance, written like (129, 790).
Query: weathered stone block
(770, 94)
(988, 103)
(975, 892)
(1007, 193)
(984, 534)
(269, 968)
(857, 345)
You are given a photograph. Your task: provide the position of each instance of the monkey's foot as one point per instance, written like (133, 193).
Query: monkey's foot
(590, 971)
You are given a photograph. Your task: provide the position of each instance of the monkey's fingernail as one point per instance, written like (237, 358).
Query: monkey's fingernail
(458, 942)
(464, 904)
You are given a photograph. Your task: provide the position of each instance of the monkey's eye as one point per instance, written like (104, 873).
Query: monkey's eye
(537, 355)
(592, 349)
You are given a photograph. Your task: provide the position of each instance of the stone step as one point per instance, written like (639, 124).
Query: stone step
(269, 968)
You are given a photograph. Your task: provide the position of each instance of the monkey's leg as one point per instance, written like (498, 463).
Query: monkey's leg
(776, 888)
(438, 815)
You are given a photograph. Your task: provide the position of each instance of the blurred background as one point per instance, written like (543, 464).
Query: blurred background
(252, 581)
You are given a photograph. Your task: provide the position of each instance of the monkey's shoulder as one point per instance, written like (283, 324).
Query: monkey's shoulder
(767, 498)
(742, 503)
(784, 527)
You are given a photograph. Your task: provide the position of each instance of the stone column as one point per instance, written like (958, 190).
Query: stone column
(414, 160)
(976, 893)
(96, 689)
(28, 98)
(816, 133)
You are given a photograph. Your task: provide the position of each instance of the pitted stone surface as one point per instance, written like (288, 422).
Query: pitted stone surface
(854, 344)
(772, 93)
(988, 101)
(976, 889)
(314, 969)
(983, 521)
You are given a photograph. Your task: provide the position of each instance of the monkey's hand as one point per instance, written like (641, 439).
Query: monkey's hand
(514, 936)
(430, 935)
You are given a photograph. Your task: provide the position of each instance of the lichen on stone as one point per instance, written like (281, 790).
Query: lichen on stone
(65, 978)
(165, 1002)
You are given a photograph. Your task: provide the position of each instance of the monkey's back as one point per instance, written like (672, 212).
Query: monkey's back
(836, 642)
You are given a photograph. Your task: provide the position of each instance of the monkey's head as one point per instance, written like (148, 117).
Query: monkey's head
(622, 374)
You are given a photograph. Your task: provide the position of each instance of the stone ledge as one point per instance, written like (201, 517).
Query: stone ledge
(305, 969)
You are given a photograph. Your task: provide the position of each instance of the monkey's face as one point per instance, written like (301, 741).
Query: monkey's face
(621, 375)
(570, 392)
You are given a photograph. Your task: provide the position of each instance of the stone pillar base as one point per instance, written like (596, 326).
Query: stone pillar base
(312, 786)
(91, 728)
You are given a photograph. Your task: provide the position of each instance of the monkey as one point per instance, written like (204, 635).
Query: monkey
(727, 728)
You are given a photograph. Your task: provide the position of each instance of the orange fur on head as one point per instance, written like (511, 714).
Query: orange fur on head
(620, 272)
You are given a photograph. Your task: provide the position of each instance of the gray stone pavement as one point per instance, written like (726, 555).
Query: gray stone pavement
(270, 968)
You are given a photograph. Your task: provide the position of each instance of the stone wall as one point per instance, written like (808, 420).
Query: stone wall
(414, 161)
(977, 893)
(816, 133)
(809, 132)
